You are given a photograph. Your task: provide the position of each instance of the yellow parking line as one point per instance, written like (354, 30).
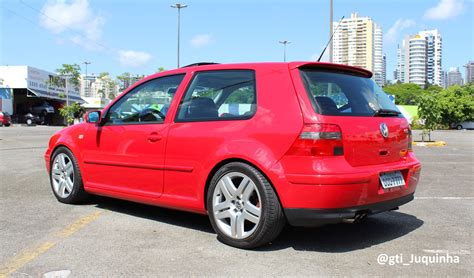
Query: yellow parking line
(27, 256)
(76, 226)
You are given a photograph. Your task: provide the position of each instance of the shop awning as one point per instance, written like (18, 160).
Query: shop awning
(44, 94)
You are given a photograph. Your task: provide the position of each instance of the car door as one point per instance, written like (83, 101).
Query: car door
(125, 153)
(216, 107)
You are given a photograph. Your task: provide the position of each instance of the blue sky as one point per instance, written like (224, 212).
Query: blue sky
(140, 36)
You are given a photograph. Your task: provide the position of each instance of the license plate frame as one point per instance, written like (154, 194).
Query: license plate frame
(392, 179)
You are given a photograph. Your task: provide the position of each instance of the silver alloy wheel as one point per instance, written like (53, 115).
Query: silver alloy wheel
(62, 175)
(236, 205)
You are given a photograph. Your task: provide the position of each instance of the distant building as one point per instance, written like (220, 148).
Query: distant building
(384, 72)
(444, 79)
(469, 74)
(97, 91)
(419, 59)
(359, 42)
(25, 87)
(454, 77)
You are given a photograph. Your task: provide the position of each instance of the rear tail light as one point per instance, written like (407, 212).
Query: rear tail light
(410, 139)
(318, 140)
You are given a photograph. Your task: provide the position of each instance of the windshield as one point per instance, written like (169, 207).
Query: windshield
(343, 94)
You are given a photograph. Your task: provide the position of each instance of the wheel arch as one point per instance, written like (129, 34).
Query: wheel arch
(59, 145)
(230, 160)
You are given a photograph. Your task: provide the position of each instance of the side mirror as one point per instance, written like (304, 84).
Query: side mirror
(93, 117)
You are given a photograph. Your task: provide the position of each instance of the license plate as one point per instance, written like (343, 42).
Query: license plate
(392, 179)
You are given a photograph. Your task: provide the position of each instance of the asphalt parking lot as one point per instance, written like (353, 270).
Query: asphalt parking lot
(116, 238)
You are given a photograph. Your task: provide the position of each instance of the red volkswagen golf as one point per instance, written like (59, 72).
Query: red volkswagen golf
(254, 146)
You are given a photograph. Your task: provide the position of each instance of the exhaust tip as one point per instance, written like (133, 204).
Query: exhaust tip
(356, 219)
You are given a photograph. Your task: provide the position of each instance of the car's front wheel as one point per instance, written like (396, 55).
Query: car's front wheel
(459, 127)
(243, 207)
(65, 176)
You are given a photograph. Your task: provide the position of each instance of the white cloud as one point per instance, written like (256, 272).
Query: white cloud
(445, 9)
(130, 58)
(201, 40)
(401, 24)
(59, 16)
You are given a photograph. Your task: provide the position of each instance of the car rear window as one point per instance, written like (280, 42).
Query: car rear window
(344, 94)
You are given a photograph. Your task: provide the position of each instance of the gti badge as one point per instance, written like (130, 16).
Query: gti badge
(384, 130)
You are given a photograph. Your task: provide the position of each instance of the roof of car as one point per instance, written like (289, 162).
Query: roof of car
(259, 65)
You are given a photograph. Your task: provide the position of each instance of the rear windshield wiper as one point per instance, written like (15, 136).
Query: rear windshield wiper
(386, 113)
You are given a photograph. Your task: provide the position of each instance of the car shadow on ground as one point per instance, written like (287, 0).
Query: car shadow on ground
(340, 238)
(336, 238)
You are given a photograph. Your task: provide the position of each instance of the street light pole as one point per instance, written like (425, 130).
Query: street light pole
(285, 42)
(179, 7)
(87, 85)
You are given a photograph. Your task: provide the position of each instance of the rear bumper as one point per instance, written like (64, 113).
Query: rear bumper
(305, 217)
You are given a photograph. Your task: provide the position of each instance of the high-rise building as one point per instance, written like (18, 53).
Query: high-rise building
(469, 74)
(419, 59)
(415, 58)
(434, 52)
(358, 42)
(454, 77)
(384, 72)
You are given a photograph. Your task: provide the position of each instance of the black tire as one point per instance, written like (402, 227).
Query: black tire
(1, 124)
(29, 122)
(78, 194)
(7, 125)
(459, 127)
(272, 219)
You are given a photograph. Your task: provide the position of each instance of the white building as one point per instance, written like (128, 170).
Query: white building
(97, 90)
(434, 53)
(469, 75)
(419, 59)
(358, 42)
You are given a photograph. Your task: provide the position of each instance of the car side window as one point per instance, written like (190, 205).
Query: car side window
(147, 103)
(219, 95)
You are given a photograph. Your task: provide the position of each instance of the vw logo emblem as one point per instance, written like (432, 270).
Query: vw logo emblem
(384, 130)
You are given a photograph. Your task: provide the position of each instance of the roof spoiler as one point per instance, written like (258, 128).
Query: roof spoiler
(332, 66)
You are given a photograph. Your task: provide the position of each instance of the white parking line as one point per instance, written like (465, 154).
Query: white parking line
(451, 252)
(444, 198)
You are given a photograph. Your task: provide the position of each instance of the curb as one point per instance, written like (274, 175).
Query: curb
(430, 144)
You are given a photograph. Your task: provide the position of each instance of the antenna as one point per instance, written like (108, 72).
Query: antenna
(330, 39)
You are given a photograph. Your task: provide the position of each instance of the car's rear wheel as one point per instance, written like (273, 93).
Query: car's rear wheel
(243, 207)
(459, 127)
(65, 176)
(29, 121)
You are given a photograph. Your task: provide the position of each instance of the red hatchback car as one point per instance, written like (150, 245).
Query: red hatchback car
(5, 119)
(254, 146)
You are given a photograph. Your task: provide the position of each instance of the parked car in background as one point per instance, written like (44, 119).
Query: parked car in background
(42, 109)
(464, 125)
(254, 146)
(5, 119)
(31, 119)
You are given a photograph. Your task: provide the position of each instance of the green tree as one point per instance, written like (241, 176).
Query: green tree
(430, 113)
(125, 80)
(74, 73)
(72, 112)
(160, 69)
(456, 104)
(405, 93)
